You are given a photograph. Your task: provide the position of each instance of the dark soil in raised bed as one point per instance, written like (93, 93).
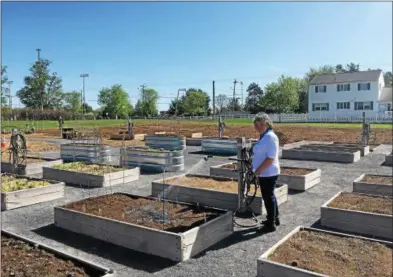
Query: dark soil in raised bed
(20, 259)
(377, 179)
(145, 212)
(365, 203)
(334, 255)
(284, 170)
(325, 150)
(213, 183)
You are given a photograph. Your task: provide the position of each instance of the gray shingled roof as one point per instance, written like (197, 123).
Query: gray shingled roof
(360, 76)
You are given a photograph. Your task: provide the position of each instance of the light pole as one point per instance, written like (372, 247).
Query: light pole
(83, 99)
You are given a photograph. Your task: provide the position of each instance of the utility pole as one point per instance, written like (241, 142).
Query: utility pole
(38, 54)
(234, 92)
(241, 89)
(214, 99)
(143, 95)
(39, 75)
(83, 76)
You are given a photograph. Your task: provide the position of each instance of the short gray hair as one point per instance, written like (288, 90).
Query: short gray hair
(262, 118)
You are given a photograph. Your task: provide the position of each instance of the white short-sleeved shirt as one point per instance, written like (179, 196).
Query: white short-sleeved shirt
(267, 147)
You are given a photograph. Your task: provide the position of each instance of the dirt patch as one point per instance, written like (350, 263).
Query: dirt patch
(295, 171)
(207, 183)
(22, 259)
(11, 183)
(145, 212)
(334, 255)
(6, 158)
(232, 166)
(96, 169)
(40, 146)
(120, 143)
(366, 203)
(375, 179)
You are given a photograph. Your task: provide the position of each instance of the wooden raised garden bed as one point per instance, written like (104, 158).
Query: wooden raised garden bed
(28, 258)
(295, 177)
(347, 156)
(374, 184)
(91, 175)
(364, 150)
(19, 191)
(359, 213)
(217, 192)
(308, 252)
(172, 230)
(30, 166)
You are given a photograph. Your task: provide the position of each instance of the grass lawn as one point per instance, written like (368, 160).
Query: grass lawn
(47, 124)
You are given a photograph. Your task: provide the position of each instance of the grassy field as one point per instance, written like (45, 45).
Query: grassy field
(46, 124)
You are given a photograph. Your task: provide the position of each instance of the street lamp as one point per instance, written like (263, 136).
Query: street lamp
(83, 99)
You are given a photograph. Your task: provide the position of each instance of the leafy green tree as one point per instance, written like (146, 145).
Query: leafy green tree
(388, 79)
(282, 96)
(147, 103)
(72, 101)
(196, 102)
(339, 68)
(4, 90)
(114, 101)
(176, 107)
(352, 67)
(222, 101)
(42, 89)
(253, 100)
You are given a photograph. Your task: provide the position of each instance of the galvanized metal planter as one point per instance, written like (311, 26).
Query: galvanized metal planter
(174, 246)
(85, 152)
(26, 197)
(269, 268)
(30, 168)
(98, 269)
(166, 142)
(389, 159)
(154, 160)
(220, 145)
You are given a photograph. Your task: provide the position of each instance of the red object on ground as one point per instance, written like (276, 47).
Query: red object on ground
(3, 143)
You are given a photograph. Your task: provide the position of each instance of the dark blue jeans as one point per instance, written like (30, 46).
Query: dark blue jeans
(268, 184)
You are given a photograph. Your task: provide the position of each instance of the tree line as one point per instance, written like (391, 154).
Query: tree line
(44, 97)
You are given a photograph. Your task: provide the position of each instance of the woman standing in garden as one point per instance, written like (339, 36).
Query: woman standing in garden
(266, 167)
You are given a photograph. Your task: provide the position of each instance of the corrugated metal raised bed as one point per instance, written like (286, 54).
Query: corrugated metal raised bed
(167, 142)
(85, 152)
(152, 159)
(31, 252)
(19, 191)
(220, 145)
(31, 166)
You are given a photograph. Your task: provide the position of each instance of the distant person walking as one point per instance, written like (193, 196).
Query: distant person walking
(266, 167)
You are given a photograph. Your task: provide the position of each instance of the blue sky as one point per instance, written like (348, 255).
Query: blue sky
(181, 45)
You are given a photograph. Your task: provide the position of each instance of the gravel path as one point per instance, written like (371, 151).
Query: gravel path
(234, 256)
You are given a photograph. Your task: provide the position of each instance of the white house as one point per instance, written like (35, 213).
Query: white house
(349, 94)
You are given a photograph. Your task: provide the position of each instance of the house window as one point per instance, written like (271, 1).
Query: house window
(343, 87)
(320, 89)
(368, 105)
(364, 86)
(343, 105)
(389, 107)
(320, 106)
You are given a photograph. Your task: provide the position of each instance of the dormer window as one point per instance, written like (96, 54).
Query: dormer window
(343, 87)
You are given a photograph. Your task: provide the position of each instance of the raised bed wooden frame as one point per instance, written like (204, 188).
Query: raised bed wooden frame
(106, 272)
(324, 156)
(209, 197)
(294, 182)
(364, 223)
(372, 188)
(30, 169)
(26, 197)
(174, 246)
(92, 180)
(268, 268)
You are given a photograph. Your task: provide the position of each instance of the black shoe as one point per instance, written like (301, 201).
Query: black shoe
(268, 228)
(277, 222)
